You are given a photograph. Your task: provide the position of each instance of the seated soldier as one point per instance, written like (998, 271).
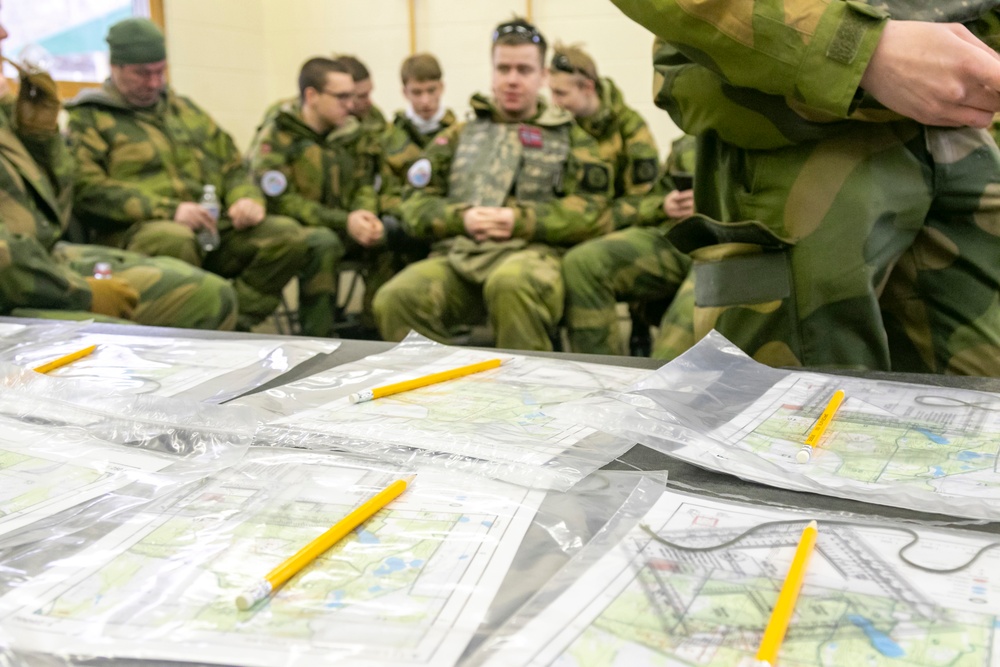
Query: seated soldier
(503, 195)
(414, 128)
(39, 275)
(316, 164)
(599, 107)
(637, 263)
(371, 117)
(145, 156)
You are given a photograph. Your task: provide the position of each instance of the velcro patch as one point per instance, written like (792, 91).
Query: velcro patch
(595, 177)
(419, 173)
(273, 183)
(644, 171)
(531, 137)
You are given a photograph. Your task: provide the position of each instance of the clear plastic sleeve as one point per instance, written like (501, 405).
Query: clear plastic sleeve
(693, 580)
(489, 423)
(70, 454)
(211, 370)
(913, 446)
(409, 587)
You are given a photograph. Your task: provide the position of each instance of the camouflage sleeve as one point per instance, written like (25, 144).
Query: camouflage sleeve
(637, 171)
(237, 182)
(31, 278)
(99, 195)
(577, 215)
(366, 170)
(290, 202)
(681, 159)
(427, 211)
(813, 51)
(398, 153)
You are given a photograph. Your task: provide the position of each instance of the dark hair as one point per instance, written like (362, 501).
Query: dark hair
(314, 71)
(420, 67)
(517, 32)
(355, 67)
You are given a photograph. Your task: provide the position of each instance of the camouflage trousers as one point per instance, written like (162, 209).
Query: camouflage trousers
(171, 292)
(522, 297)
(876, 249)
(637, 264)
(259, 260)
(318, 278)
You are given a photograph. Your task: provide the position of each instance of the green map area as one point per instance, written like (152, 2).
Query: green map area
(27, 481)
(367, 578)
(870, 448)
(675, 613)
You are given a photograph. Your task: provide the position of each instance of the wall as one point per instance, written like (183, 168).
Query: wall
(235, 57)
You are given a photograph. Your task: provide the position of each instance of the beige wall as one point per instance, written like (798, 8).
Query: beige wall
(235, 57)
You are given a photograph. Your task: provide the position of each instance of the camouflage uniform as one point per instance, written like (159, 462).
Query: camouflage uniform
(831, 232)
(635, 264)
(402, 144)
(36, 272)
(138, 165)
(320, 180)
(550, 172)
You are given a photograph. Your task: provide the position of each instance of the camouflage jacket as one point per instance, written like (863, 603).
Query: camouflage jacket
(140, 164)
(401, 147)
(374, 122)
(36, 177)
(681, 160)
(318, 180)
(569, 211)
(625, 142)
(764, 75)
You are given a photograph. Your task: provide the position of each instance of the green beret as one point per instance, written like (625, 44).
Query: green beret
(136, 41)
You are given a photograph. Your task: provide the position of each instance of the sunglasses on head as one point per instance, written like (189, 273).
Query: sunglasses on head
(561, 63)
(518, 29)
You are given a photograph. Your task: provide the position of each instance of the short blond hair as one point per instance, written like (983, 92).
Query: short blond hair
(574, 60)
(420, 67)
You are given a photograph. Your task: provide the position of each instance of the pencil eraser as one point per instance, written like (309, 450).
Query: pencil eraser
(803, 455)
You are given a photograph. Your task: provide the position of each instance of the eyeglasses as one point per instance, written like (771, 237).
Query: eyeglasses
(561, 63)
(341, 97)
(518, 29)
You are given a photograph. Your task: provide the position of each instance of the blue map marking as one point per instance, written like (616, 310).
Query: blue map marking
(969, 456)
(881, 642)
(366, 537)
(391, 565)
(337, 597)
(936, 438)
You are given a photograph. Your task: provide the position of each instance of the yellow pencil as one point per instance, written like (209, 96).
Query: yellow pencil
(777, 625)
(416, 383)
(310, 552)
(819, 428)
(65, 359)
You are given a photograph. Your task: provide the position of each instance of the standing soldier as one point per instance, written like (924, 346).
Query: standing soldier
(145, 154)
(412, 129)
(503, 195)
(634, 264)
(316, 164)
(846, 196)
(37, 274)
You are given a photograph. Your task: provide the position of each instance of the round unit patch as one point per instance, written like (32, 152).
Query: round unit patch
(419, 174)
(273, 183)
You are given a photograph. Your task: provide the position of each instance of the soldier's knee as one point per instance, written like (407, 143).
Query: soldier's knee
(283, 228)
(582, 264)
(324, 242)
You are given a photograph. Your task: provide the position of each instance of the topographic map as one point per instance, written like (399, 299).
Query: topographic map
(649, 603)
(407, 588)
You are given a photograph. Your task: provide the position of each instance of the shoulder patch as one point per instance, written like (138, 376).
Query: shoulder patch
(264, 149)
(644, 171)
(273, 183)
(441, 141)
(595, 177)
(419, 174)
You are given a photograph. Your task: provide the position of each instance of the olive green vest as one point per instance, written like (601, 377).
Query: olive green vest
(494, 160)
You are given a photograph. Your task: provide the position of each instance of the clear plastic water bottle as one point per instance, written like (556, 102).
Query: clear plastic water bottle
(102, 270)
(208, 238)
